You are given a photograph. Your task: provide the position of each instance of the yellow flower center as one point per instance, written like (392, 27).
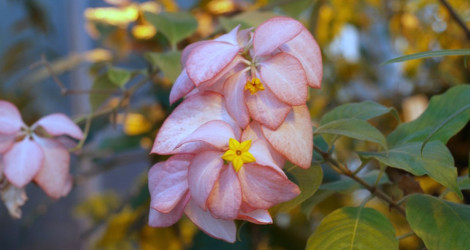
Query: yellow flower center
(238, 154)
(254, 85)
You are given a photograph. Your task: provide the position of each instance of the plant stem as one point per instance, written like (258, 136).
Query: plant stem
(403, 236)
(375, 191)
(456, 17)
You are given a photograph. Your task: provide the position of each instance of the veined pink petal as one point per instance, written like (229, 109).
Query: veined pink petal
(253, 132)
(188, 49)
(273, 33)
(264, 187)
(59, 124)
(5, 142)
(53, 176)
(265, 108)
(217, 228)
(182, 86)
(235, 98)
(157, 219)
(23, 161)
(231, 37)
(259, 149)
(226, 195)
(202, 174)
(306, 50)
(244, 37)
(259, 216)
(208, 60)
(168, 182)
(284, 75)
(186, 118)
(216, 133)
(294, 138)
(10, 118)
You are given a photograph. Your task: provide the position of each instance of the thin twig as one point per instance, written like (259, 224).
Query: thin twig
(403, 236)
(456, 17)
(344, 170)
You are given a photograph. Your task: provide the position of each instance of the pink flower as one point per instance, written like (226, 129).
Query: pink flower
(35, 153)
(281, 58)
(292, 140)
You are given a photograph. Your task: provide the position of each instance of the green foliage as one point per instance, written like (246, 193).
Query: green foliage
(349, 185)
(101, 90)
(168, 62)
(435, 161)
(246, 19)
(175, 26)
(440, 224)
(308, 181)
(428, 54)
(354, 128)
(440, 108)
(364, 111)
(119, 76)
(354, 228)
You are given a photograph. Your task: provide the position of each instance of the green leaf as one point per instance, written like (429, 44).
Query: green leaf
(464, 183)
(168, 62)
(443, 123)
(439, 223)
(354, 228)
(362, 110)
(175, 26)
(119, 77)
(349, 185)
(103, 88)
(247, 19)
(440, 108)
(354, 128)
(427, 54)
(436, 161)
(308, 181)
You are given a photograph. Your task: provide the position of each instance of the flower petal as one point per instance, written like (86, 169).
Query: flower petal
(59, 124)
(182, 86)
(265, 108)
(168, 182)
(235, 98)
(253, 132)
(10, 118)
(157, 219)
(5, 142)
(23, 161)
(54, 175)
(217, 228)
(231, 37)
(284, 75)
(216, 133)
(264, 187)
(294, 138)
(259, 216)
(273, 33)
(226, 196)
(209, 60)
(306, 50)
(188, 49)
(262, 155)
(183, 122)
(203, 172)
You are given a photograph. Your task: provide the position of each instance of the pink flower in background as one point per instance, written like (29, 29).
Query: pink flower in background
(35, 152)
(261, 77)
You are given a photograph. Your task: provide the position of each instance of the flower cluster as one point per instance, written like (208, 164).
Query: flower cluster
(36, 152)
(244, 114)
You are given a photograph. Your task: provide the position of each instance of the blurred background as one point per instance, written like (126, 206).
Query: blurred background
(118, 59)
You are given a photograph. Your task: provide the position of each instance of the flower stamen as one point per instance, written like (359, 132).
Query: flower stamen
(238, 153)
(254, 86)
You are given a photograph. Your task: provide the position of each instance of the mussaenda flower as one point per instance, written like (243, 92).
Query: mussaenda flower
(281, 57)
(35, 152)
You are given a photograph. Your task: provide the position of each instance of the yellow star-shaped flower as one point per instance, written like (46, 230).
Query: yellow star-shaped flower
(254, 85)
(238, 153)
